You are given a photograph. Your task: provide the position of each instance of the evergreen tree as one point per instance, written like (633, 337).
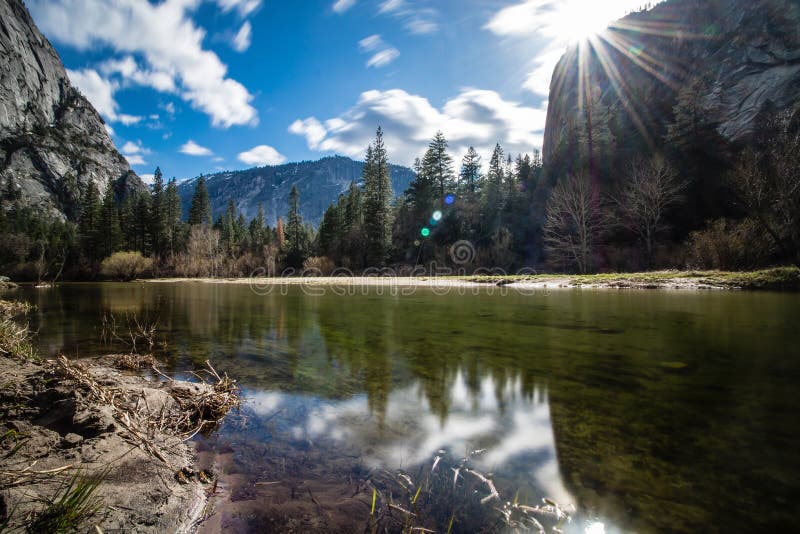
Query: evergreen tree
(437, 165)
(493, 201)
(158, 218)
(109, 232)
(200, 210)
(259, 233)
(377, 203)
(141, 223)
(172, 215)
(470, 171)
(89, 224)
(296, 246)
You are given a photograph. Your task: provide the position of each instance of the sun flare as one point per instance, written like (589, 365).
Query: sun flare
(579, 20)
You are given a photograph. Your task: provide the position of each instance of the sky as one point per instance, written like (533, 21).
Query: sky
(199, 86)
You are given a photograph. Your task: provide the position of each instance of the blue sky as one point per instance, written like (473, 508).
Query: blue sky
(200, 86)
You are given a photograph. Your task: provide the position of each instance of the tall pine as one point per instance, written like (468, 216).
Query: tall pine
(377, 203)
(200, 210)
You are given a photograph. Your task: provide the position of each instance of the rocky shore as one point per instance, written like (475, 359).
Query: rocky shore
(95, 445)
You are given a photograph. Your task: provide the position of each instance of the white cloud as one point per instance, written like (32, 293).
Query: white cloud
(193, 149)
(243, 7)
(559, 24)
(135, 159)
(385, 53)
(131, 148)
(148, 178)
(109, 129)
(340, 6)
(474, 117)
(169, 107)
(128, 120)
(129, 70)
(134, 152)
(98, 90)
(417, 20)
(383, 58)
(368, 44)
(241, 41)
(167, 40)
(388, 6)
(262, 155)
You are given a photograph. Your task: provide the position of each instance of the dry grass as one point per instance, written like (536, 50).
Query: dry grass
(134, 362)
(452, 494)
(194, 410)
(15, 335)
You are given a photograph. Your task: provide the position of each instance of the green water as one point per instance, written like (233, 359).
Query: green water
(650, 411)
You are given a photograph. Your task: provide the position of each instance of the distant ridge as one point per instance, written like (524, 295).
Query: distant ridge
(319, 183)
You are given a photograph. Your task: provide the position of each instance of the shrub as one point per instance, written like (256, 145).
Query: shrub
(126, 265)
(729, 245)
(322, 265)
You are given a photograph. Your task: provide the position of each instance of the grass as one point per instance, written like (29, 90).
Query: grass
(14, 335)
(777, 279)
(72, 509)
(450, 493)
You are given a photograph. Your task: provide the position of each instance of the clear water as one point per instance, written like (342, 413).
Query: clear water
(651, 411)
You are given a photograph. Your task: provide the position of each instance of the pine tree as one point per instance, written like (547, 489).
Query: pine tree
(200, 211)
(493, 201)
(377, 203)
(259, 233)
(109, 232)
(141, 223)
(471, 171)
(89, 224)
(172, 215)
(437, 165)
(158, 219)
(296, 235)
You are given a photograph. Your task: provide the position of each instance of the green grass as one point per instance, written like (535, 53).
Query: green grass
(72, 509)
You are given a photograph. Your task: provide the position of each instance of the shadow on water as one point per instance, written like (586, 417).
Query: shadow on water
(650, 411)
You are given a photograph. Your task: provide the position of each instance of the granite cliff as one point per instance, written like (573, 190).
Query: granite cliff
(52, 141)
(719, 66)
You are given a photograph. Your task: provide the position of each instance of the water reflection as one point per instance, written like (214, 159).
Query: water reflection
(510, 424)
(625, 403)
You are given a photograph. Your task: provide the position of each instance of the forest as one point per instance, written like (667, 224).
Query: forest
(511, 215)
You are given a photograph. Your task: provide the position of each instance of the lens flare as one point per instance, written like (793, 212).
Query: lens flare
(449, 199)
(437, 216)
(425, 232)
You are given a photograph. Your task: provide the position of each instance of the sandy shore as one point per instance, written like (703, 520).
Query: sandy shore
(785, 279)
(98, 421)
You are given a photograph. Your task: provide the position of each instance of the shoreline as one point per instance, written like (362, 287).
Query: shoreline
(68, 423)
(785, 279)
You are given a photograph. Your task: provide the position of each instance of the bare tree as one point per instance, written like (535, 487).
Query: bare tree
(572, 224)
(768, 186)
(650, 189)
(203, 252)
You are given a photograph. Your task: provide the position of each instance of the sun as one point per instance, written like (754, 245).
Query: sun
(580, 20)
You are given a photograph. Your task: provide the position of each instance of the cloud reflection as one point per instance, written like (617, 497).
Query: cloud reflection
(514, 427)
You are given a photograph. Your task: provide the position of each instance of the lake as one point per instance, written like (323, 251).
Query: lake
(647, 410)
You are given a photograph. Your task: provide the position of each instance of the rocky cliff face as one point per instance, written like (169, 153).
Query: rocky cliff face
(318, 182)
(52, 141)
(732, 60)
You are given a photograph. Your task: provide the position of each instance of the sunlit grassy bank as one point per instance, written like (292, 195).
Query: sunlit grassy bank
(783, 278)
